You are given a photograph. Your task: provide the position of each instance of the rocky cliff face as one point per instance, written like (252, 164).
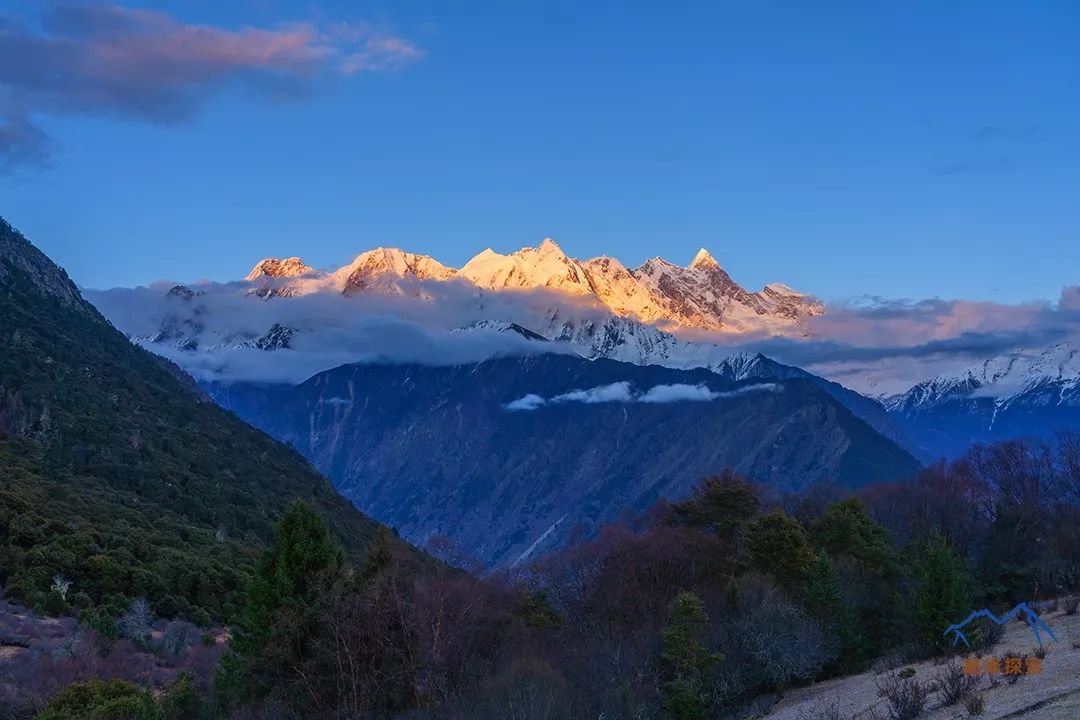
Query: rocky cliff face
(19, 258)
(507, 456)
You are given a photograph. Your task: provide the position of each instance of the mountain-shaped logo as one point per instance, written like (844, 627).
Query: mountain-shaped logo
(1032, 618)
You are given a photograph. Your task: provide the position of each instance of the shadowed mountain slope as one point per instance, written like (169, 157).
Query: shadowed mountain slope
(506, 456)
(116, 473)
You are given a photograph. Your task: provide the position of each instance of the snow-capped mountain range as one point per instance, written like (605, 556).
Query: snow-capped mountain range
(1046, 377)
(1034, 393)
(389, 304)
(593, 308)
(700, 296)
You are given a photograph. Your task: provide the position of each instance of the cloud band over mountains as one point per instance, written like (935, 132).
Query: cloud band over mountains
(876, 346)
(110, 61)
(885, 346)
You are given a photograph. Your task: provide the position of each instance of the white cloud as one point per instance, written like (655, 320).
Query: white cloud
(623, 392)
(330, 329)
(698, 393)
(615, 392)
(529, 402)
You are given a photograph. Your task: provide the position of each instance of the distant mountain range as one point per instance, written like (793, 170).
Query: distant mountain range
(701, 295)
(509, 455)
(188, 325)
(1023, 394)
(597, 309)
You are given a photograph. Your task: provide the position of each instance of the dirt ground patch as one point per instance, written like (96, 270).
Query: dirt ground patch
(9, 652)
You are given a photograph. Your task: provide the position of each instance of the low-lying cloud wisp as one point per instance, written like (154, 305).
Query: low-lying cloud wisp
(624, 392)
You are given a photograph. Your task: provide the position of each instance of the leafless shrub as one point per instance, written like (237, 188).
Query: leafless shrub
(906, 698)
(988, 634)
(267, 711)
(785, 645)
(61, 585)
(975, 704)
(56, 652)
(16, 705)
(1014, 666)
(135, 624)
(889, 662)
(178, 637)
(953, 684)
(1040, 652)
(1072, 604)
(530, 690)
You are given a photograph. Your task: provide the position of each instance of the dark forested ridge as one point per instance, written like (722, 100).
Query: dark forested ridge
(116, 474)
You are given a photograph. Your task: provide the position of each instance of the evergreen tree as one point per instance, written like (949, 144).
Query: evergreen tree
(823, 600)
(303, 557)
(825, 603)
(683, 650)
(867, 564)
(287, 573)
(941, 591)
(721, 503)
(778, 545)
(846, 528)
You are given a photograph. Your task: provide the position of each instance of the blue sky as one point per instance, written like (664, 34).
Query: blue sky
(908, 150)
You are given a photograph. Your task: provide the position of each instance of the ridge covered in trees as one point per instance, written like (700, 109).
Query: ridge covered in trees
(117, 478)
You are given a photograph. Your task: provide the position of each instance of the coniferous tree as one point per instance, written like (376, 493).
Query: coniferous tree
(778, 546)
(825, 602)
(303, 558)
(722, 504)
(867, 567)
(846, 528)
(683, 650)
(941, 591)
(287, 574)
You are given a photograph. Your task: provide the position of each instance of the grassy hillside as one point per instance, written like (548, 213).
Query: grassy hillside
(118, 476)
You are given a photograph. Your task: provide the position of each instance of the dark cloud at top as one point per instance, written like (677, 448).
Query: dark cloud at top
(111, 61)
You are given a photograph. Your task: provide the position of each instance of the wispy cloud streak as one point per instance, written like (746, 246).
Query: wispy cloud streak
(623, 392)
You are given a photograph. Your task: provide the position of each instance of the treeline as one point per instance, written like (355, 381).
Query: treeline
(1012, 510)
(704, 607)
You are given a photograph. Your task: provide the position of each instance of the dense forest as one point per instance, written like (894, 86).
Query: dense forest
(116, 475)
(700, 608)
